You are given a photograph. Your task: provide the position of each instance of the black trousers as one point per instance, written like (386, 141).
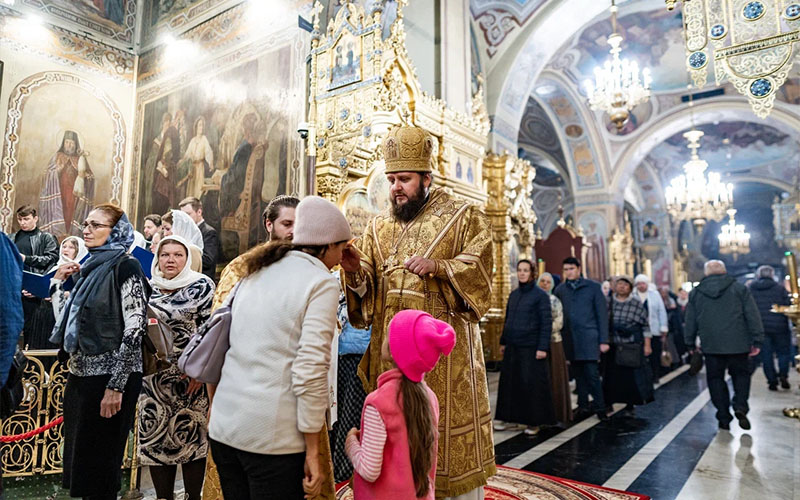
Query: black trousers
(587, 381)
(738, 366)
(93, 445)
(655, 358)
(252, 476)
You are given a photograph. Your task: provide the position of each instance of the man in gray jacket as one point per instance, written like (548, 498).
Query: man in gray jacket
(722, 312)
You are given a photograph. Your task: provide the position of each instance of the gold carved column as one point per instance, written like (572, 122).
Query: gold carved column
(620, 245)
(509, 183)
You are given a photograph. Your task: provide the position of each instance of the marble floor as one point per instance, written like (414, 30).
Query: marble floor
(672, 448)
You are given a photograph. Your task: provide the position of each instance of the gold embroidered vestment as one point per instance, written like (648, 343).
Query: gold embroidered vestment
(458, 237)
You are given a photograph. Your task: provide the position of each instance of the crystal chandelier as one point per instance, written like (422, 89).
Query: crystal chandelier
(693, 196)
(617, 87)
(733, 239)
(753, 45)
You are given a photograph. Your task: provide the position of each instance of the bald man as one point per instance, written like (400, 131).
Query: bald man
(722, 312)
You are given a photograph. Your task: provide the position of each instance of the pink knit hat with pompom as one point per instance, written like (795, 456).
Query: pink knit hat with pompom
(416, 340)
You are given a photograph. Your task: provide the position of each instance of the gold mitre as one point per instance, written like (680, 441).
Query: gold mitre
(408, 149)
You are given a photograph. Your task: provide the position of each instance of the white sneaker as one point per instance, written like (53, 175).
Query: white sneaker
(532, 431)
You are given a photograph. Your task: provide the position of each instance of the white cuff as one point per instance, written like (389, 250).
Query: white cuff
(360, 290)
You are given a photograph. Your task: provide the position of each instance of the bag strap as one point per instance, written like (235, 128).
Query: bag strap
(232, 294)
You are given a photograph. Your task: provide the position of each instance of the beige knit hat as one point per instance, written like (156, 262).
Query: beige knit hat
(319, 222)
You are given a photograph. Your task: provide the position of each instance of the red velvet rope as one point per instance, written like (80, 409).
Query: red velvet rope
(30, 434)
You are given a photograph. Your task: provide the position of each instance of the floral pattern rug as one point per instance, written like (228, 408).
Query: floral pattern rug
(515, 484)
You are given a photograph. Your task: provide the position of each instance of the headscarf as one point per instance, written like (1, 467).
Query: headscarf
(101, 262)
(138, 241)
(185, 227)
(82, 252)
(552, 286)
(184, 278)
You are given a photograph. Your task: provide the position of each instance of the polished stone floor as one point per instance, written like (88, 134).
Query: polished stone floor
(672, 448)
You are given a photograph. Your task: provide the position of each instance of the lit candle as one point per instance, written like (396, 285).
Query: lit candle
(540, 263)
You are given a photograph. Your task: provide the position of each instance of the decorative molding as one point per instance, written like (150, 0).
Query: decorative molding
(499, 18)
(220, 33)
(70, 49)
(123, 33)
(186, 19)
(16, 105)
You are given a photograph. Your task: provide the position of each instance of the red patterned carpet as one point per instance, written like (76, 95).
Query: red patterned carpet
(515, 484)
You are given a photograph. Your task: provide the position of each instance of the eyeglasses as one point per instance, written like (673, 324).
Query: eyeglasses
(93, 226)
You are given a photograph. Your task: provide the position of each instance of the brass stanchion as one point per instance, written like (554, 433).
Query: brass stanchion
(793, 313)
(133, 492)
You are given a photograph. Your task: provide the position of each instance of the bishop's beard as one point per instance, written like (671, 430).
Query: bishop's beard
(407, 211)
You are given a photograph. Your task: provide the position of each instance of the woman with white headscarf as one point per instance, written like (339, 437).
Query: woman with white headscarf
(559, 375)
(177, 222)
(173, 409)
(72, 249)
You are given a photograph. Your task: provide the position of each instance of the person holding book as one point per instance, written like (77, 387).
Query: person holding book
(39, 252)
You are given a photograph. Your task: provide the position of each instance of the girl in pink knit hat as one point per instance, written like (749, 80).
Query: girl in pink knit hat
(400, 418)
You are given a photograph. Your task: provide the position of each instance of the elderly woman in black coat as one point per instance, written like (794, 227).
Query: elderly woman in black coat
(525, 395)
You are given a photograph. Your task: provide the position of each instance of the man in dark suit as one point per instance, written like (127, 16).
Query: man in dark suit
(194, 208)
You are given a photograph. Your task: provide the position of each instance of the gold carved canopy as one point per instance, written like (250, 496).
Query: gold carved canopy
(360, 86)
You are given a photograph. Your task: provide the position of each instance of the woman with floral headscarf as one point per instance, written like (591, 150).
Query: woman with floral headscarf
(173, 409)
(100, 326)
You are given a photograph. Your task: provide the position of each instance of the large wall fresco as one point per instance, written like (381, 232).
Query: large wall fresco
(226, 136)
(63, 152)
(114, 19)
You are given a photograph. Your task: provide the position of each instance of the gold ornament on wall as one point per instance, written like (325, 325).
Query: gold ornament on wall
(509, 183)
(620, 247)
(752, 42)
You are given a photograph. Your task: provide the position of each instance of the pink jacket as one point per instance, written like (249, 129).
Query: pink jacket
(396, 481)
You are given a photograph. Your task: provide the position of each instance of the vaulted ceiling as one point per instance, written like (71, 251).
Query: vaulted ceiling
(545, 49)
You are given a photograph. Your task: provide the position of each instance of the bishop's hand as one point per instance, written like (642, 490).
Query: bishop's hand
(421, 266)
(351, 260)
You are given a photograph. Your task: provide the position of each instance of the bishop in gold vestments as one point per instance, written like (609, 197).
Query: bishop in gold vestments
(456, 237)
